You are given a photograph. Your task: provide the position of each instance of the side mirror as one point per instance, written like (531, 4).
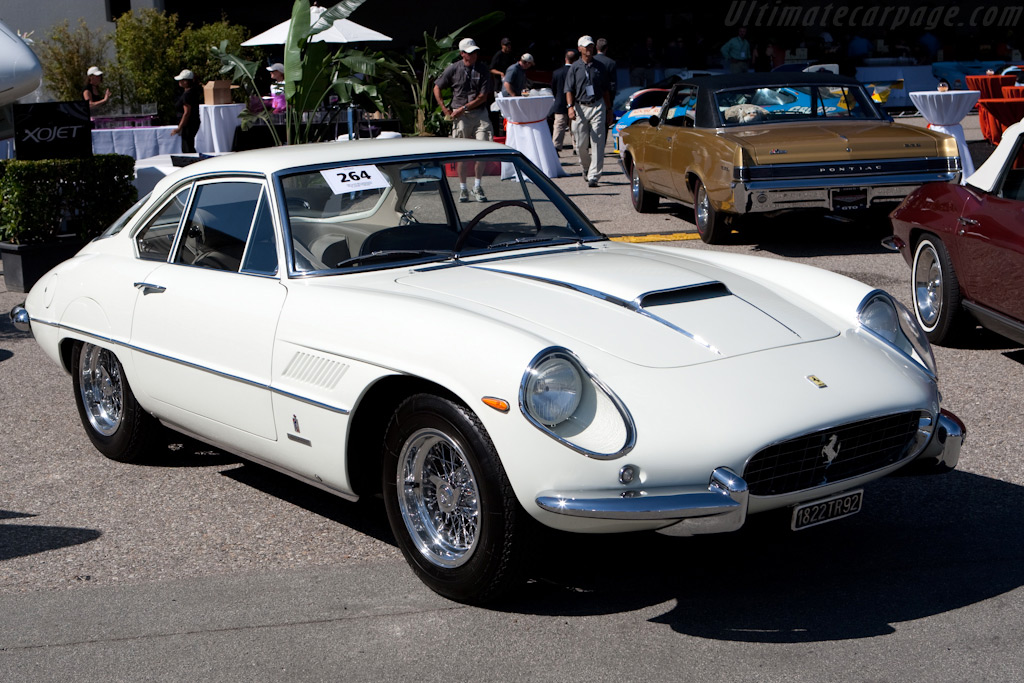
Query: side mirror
(654, 121)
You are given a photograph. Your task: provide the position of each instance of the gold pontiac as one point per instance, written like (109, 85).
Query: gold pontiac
(768, 143)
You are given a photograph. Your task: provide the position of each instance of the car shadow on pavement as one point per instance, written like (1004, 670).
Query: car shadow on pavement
(20, 540)
(367, 516)
(922, 546)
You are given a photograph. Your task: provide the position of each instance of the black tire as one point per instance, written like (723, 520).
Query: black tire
(115, 422)
(936, 292)
(454, 515)
(643, 201)
(710, 225)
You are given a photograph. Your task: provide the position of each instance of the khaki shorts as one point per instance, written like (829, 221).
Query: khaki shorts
(475, 123)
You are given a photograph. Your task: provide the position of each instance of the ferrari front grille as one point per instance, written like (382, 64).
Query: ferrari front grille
(831, 455)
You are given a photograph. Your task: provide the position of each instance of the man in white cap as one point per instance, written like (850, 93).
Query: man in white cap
(588, 98)
(186, 108)
(515, 80)
(470, 83)
(276, 78)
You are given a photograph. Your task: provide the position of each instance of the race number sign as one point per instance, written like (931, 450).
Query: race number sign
(355, 178)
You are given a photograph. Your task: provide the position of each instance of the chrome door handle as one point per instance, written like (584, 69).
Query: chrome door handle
(967, 221)
(149, 289)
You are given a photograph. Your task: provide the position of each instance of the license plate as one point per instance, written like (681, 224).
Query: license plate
(849, 201)
(827, 509)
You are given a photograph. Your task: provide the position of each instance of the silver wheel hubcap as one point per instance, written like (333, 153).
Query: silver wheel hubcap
(102, 389)
(636, 187)
(702, 209)
(928, 287)
(437, 495)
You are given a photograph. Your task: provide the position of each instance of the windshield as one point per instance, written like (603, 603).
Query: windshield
(745, 106)
(382, 214)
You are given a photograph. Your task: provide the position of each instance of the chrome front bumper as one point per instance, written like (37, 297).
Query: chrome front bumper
(20, 318)
(722, 506)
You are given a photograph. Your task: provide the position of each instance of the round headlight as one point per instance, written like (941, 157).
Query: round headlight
(891, 321)
(879, 316)
(553, 391)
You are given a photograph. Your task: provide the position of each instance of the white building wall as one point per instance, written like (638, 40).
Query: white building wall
(39, 16)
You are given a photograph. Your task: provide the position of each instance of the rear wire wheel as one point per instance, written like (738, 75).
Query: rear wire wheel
(114, 421)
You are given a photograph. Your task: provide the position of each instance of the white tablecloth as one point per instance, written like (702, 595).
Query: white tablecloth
(217, 123)
(150, 171)
(139, 143)
(527, 131)
(944, 111)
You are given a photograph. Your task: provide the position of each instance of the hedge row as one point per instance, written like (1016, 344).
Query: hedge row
(42, 199)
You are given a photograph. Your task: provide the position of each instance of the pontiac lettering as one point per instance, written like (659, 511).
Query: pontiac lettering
(850, 168)
(50, 134)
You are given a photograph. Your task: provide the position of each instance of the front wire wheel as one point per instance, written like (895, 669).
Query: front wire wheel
(449, 501)
(438, 498)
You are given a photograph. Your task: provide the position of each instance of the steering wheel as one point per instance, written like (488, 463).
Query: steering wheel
(489, 210)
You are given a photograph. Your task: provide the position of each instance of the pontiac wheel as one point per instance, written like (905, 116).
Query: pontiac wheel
(449, 502)
(117, 426)
(937, 292)
(643, 201)
(710, 225)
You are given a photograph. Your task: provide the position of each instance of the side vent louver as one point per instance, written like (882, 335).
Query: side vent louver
(315, 370)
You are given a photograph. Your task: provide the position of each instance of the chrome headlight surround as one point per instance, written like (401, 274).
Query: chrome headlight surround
(585, 415)
(890, 321)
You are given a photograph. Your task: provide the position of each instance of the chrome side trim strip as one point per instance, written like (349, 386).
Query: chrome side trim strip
(201, 368)
(633, 306)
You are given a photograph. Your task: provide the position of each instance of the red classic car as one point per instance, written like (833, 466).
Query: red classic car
(965, 245)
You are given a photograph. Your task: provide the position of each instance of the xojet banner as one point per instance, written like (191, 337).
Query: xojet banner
(52, 130)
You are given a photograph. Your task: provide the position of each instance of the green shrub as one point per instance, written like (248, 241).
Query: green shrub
(84, 196)
(146, 61)
(193, 48)
(66, 55)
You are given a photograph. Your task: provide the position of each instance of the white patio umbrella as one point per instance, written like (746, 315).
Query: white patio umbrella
(343, 31)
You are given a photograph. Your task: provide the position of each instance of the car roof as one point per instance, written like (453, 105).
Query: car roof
(768, 80)
(276, 159)
(706, 110)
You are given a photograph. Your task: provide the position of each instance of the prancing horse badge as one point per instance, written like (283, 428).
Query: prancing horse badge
(813, 379)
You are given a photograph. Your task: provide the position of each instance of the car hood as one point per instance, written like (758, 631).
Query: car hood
(648, 308)
(789, 143)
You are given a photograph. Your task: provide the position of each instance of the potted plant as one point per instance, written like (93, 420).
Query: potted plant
(49, 209)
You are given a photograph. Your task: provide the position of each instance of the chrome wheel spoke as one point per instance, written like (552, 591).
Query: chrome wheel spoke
(438, 498)
(102, 389)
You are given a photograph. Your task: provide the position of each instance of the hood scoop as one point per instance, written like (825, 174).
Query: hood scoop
(701, 292)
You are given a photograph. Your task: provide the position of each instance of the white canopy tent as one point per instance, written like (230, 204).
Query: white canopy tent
(343, 31)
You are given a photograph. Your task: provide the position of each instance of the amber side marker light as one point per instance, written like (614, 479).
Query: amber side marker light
(496, 403)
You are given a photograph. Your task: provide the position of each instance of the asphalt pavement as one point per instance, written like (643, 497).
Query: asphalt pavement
(199, 566)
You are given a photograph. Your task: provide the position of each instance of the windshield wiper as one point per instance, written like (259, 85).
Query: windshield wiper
(531, 240)
(391, 254)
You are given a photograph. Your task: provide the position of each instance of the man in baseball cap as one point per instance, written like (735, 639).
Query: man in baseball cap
(589, 99)
(515, 81)
(470, 83)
